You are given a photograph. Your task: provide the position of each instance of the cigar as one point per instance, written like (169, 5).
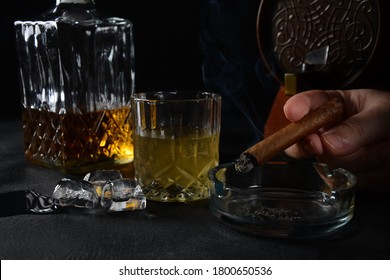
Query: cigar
(328, 114)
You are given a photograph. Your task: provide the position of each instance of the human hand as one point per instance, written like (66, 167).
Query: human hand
(360, 144)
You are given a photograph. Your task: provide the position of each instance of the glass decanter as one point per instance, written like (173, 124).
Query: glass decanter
(76, 72)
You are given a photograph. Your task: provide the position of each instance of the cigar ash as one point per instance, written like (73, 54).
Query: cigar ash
(245, 163)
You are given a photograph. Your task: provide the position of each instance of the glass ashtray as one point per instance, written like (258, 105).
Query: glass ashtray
(296, 199)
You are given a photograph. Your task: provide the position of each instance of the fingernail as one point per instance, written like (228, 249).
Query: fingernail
(334, 141)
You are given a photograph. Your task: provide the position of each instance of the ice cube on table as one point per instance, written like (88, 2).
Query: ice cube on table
(122, 195)
(99, 177)
(75, 193)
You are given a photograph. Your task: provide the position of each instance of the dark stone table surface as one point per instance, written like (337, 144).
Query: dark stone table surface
(162, 230)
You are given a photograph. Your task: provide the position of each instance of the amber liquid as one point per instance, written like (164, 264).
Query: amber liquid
(175, 168)
(78, 143)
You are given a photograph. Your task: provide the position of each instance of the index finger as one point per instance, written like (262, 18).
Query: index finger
(300, 104)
